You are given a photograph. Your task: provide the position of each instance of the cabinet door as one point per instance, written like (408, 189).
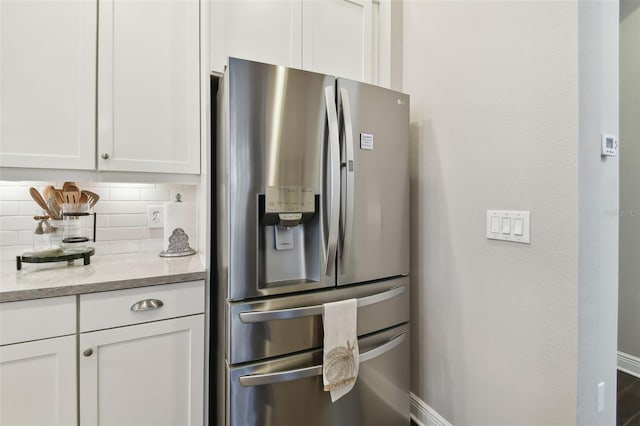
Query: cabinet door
(148, 86)
(47, 84)
(261, 30)
(147, 374)
(38, 382)
(337, 38)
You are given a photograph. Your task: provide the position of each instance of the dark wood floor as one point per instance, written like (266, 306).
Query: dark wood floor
(628, 413)
(628, 400)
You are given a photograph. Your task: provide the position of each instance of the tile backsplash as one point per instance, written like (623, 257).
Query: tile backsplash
(121, 215)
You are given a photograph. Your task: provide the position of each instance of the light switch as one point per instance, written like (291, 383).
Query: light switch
(495, 224)
(518, 226)
(506, 225)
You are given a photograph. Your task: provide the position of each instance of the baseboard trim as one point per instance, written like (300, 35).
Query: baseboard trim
(628, 363)
(424, 415)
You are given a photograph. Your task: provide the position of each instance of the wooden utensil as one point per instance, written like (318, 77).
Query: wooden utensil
(92, 197)
(49, 195)
(39, 200)
(59, 198)
(71, 195)
(48, 192)
(68, 184)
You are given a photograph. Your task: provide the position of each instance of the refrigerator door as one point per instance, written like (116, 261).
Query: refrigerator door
(288, 391)
(277, 180)
(276, 326)
(374, 221)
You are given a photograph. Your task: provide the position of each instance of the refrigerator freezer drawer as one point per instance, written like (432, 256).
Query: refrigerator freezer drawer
(277, 326)
(288, 391)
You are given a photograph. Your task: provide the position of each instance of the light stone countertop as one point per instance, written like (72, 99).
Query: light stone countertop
(107, 272)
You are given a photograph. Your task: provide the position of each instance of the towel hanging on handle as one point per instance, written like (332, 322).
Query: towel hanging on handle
(341, 357)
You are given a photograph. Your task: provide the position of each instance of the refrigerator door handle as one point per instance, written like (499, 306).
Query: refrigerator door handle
(334, 180)
(316, 370)
(349, 180)
(308, 311)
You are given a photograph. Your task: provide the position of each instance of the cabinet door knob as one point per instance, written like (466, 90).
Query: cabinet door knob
(105, 156)
(88, 352)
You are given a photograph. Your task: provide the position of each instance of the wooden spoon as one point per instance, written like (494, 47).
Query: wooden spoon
(40, 201)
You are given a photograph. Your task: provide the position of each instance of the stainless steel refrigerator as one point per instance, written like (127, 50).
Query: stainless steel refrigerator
(311, 206)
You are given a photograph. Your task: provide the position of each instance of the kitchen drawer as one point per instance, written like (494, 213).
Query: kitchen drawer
(125, 307)
(37, 319)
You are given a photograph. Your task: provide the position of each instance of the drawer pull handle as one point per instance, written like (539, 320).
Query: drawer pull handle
(147, 304)
(88, 352)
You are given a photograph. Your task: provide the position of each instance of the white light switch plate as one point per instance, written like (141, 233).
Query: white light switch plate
(506, 225)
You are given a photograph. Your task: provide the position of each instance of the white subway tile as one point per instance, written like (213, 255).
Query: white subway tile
(25, 237)
(116, 234)
(127, 220)
(30, 208)
(156, 233)
(160, 194)
(126, 194)
(9, 238)
(102, 221)
(16, 223)
(9, 208)
(15, 193)
(103, 193)
(121, 207)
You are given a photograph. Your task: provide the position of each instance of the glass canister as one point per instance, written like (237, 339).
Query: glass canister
(42, 233)
(78, 226)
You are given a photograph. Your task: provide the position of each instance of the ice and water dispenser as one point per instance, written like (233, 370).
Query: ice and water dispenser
(289, 236)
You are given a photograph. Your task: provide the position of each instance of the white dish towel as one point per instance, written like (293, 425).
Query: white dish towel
(341, 358)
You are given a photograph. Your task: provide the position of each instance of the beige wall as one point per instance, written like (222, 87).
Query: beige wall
(496, 124)
(629, 315)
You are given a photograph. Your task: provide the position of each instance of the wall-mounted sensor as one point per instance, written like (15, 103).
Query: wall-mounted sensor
(609, 145)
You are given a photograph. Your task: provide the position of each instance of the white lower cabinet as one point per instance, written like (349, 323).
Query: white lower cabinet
(38, 382)
(141, 356)
(38, 373)
(147, 374)
(137, 355)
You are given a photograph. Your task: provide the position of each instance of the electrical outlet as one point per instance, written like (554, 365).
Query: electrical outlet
(601, 396)
(155, 218)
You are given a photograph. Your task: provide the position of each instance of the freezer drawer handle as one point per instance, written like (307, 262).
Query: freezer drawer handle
(309, 311)
(146, 305)
(316, 370)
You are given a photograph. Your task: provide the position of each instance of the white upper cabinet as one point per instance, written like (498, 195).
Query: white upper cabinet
(147, 77)
(338, 38)
(148, 86)
(335, 37)
(47, 84)
(263, 30)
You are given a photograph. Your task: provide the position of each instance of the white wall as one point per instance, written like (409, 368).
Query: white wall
(599, 204)
(629, 315)
(496, 124)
